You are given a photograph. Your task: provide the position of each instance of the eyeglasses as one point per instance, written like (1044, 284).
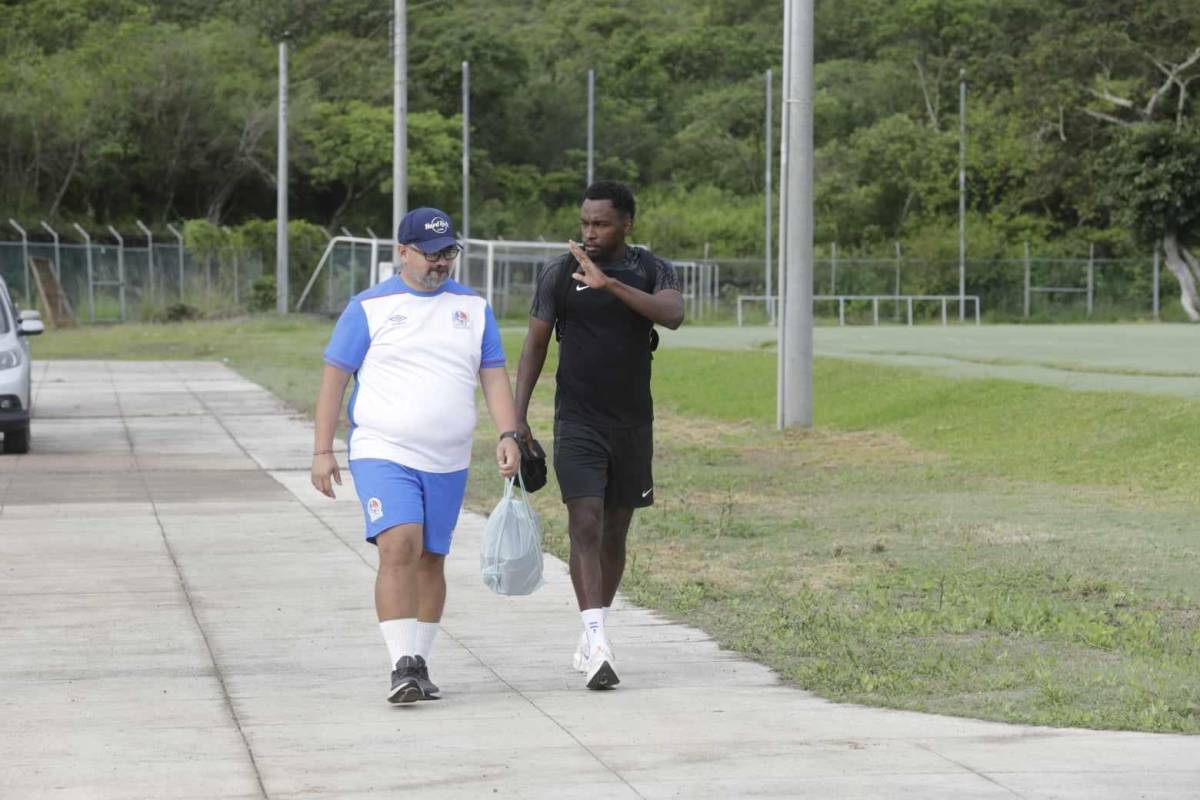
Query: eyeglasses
(448, 254)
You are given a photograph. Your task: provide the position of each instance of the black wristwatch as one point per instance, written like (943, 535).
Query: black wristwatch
(514, 435)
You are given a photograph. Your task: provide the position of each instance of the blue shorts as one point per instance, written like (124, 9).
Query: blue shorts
(393, 494)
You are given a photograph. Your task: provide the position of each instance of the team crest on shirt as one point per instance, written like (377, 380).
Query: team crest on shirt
(374, 509)
(461, 319)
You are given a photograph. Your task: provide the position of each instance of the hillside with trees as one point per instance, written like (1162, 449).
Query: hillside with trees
(1082, 117)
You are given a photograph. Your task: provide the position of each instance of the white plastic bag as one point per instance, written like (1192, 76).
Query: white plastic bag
(510, 555)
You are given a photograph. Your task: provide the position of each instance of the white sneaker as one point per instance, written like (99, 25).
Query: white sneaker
(601, 668)
(580, 659)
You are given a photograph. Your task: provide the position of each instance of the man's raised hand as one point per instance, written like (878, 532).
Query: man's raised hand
(588, 273)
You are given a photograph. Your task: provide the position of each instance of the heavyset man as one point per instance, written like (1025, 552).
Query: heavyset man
(415, 343)
(603, 298)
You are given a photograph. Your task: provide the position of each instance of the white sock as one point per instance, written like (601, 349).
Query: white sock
(593, 626)
(400, 636)
(426, 632)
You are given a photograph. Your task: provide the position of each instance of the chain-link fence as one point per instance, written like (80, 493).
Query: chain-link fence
(115, 282)
(506, 272)
(1033, 288)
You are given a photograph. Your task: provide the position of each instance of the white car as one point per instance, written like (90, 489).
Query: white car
(16, 386)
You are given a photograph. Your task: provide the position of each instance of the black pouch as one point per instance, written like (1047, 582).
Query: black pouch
(533, 464)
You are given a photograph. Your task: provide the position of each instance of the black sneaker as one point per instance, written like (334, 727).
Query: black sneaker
(406, 685)
(429, 689)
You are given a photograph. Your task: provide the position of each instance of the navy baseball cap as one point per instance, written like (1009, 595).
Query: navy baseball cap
(429, 229)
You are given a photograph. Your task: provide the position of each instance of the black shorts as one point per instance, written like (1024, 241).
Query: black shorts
(610, 463)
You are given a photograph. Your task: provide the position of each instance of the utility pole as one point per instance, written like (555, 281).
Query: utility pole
(399, 114)
(466, 167)
(795, 333)
(768, 149)
(591, 126)
(784, 138)
(962, 195)
(281, 184)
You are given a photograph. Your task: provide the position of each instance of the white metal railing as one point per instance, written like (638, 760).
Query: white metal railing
(841, 299)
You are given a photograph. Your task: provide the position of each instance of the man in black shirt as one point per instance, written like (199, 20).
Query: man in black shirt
(603, 299)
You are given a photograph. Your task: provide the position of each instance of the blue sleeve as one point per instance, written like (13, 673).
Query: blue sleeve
(350, 339)
(492, 352)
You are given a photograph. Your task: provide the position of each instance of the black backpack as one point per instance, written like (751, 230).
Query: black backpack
(562, 290)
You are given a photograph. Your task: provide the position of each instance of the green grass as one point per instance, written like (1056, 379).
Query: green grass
(984, 548)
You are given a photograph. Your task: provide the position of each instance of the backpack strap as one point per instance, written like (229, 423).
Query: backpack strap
(652, 274)
(562, 290)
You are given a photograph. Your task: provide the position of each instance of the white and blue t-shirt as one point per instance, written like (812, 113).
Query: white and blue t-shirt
(416, 358)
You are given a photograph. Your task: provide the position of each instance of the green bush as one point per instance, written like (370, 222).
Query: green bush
(262, 293)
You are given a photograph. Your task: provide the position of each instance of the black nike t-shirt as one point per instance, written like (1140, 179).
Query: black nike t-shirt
(604, 356)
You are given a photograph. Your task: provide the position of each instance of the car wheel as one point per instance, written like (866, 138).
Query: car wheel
(17, 441)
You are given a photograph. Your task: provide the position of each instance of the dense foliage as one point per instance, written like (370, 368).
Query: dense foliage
(165, 109)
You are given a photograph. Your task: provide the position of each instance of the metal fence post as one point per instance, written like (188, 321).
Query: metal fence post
(179, 255)
(1156, 268)
(150, 262)
(120, 267)
(233, 257)
(329, 302)
(897, 292)
(833, 268)
(24, 259)
(1091, 276)
(491, 268)
(390, 251)
(91, 278)
(57, 251)
(1027, 278)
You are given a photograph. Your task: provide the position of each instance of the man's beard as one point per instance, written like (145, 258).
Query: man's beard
(433, 279)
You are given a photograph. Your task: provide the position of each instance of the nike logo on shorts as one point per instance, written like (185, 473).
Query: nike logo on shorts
(581, 287)
(648, 491)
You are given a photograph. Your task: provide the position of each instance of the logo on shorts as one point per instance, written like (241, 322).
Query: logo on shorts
(648, 491)
(581, 287)
(461, 319)
(438, 225)
(374, 509)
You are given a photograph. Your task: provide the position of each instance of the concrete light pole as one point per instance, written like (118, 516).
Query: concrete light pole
(281, 182)
(466, 167)
(795, 330)
(962, 195)
(591, 127)
(399, 114)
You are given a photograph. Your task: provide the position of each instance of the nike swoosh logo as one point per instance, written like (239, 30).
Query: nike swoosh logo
(648, 491)
(581, 287)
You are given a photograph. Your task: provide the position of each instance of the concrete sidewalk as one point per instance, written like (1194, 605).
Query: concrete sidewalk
(182, 616)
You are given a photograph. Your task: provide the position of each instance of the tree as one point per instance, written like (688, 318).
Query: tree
(1157, 174)
(1125, 69)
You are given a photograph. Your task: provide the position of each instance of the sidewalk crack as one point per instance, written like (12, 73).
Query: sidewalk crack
(187, 595)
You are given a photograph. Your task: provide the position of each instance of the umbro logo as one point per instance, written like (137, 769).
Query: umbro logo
(581, 287)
